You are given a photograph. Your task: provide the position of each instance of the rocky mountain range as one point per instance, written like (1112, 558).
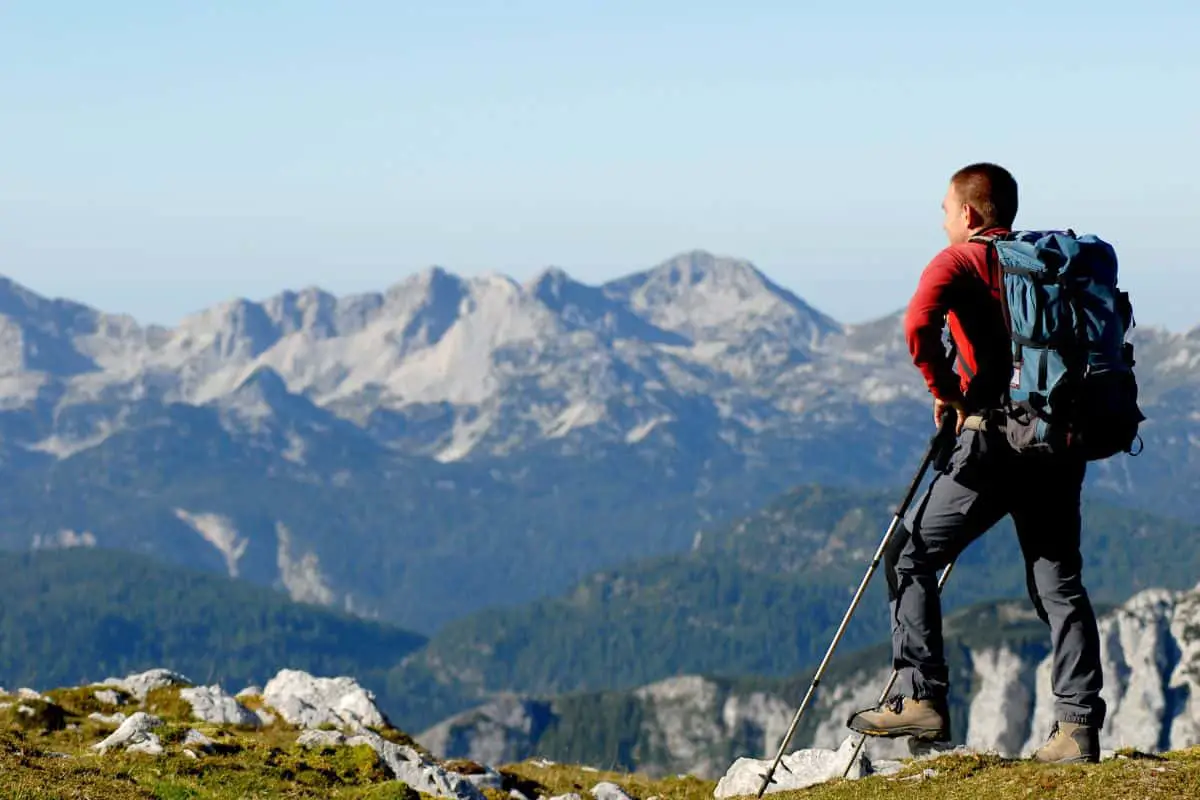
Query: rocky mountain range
(1001, 699)
(351, 450)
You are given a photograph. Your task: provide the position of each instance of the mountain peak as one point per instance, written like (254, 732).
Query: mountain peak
(553, 284)
(698, 263)
(551, 277)
(700, 294)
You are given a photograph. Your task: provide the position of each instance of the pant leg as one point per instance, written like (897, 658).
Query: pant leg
(1048, 524)
(959, 505)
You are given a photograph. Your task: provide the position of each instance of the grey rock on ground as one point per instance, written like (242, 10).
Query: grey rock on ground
(135, 735)
(195, 740)
(109, 697)
(212, 704)
(142, 683)
(408, 765)
(310, 702)
(313, 739)
(609, 791)
(797, 770)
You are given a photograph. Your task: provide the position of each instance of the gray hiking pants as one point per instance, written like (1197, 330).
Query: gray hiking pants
(985, 481)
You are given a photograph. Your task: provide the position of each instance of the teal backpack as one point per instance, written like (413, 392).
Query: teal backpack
(1072, 387)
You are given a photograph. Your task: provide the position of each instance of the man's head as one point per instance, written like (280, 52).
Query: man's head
(979, 196)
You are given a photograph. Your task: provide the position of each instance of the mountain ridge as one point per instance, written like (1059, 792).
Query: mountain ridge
(548, 428)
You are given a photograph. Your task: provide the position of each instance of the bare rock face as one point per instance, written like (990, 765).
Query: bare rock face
(501, 731)
(1150, 651)
(309, 702)
(692, 717)
(1001, 710)
(1150, 657)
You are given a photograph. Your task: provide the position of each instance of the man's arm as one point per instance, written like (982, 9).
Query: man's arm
(923, 323)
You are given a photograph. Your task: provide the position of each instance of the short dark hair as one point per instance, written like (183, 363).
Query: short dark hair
(989, 189)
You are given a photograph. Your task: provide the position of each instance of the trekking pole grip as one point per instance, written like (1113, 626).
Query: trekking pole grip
(942, 444)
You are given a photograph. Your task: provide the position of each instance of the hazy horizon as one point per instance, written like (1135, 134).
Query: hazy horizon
(165, 158)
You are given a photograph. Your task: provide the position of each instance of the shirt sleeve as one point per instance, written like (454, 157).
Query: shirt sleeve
(924, 322)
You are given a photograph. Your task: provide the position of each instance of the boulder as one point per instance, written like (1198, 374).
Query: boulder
(135, 735)
(142, 683)
(211, 704)
(609, 791)
(310, 702)
(797, 770)
(194, 741)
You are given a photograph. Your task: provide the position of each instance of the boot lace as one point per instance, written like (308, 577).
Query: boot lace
(895, 704)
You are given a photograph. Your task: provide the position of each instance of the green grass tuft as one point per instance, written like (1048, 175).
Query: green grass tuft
(34, 715)
(166, 704)
(81, 701)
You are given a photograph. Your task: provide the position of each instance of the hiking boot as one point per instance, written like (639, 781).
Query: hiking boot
(1070, 743)
(904, 716)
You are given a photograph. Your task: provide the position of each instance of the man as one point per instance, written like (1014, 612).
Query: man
(983, 481)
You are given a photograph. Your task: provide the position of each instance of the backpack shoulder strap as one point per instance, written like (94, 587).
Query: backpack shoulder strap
(996, 275)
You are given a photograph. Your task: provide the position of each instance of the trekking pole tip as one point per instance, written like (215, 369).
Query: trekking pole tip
(767, 778)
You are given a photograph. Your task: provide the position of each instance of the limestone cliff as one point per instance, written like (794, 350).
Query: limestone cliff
(1002, 700)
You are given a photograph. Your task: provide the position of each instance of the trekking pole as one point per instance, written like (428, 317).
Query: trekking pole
(862, 737)
(944, 436)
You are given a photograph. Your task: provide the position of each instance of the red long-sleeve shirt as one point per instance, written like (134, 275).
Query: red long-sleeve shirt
(958, 288)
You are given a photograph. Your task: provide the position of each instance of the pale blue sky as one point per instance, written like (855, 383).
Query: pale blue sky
(160, 156)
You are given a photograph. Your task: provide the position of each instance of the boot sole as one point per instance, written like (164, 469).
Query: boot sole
(1071, 760)
(924, 734)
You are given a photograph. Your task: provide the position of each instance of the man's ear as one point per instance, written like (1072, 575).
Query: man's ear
(972, 217)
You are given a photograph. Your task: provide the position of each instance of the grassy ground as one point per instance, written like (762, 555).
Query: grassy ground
(49, 758)
(1175, 775)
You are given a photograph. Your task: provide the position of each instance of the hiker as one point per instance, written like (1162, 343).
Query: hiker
(983, 481)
